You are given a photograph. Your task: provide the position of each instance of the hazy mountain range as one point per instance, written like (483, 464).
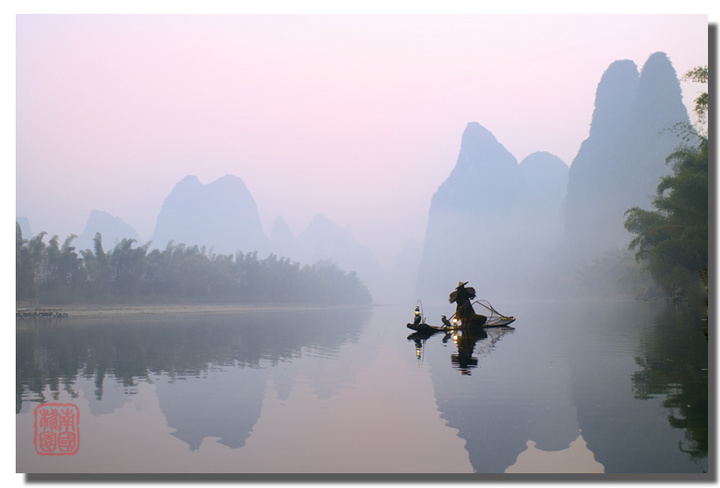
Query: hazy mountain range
(113, 229)
(620, 164)
(492, 218)
(222, 216)
(505, 226)
(500, 224)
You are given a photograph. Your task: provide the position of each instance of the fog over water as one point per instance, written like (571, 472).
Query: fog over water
(359, 119)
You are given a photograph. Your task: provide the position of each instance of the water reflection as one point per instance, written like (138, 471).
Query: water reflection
(209, 371)
(628, 378)
(673, 358)
(223, 404)
(131, 350)
(658, 352)
(623, 385)
(467, 340)
(419, 338)
(470, 344)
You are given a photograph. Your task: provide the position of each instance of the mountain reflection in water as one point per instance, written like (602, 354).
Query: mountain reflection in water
(621, 386)
(629, 379)
(216, 365)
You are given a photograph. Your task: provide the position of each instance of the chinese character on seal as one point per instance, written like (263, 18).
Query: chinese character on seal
(57, 430)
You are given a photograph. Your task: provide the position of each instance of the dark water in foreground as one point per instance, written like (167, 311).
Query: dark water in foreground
(615, 387)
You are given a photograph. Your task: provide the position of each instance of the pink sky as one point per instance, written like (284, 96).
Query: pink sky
(356, 117)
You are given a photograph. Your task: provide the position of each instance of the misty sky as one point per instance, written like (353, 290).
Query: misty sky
(357, 117)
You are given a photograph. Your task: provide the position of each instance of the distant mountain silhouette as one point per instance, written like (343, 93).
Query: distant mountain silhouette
(222, 216)
(545, 179)
(505, 226)
(282, 241)
(620, 164)
(113, 229)
(486, 219)
(540, 225)
(324, 240)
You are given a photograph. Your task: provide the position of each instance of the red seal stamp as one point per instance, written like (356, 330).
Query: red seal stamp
(57, 429)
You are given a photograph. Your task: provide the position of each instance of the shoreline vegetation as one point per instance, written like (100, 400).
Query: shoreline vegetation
(61, 275)
(111, 310)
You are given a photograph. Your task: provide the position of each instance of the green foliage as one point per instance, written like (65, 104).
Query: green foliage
(672, 240)
(178, 274)
(28, 256)
(700, 75)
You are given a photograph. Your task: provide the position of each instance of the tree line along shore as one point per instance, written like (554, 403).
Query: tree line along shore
(128, 276)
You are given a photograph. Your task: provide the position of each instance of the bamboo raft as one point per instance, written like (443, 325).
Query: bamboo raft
(28, 313)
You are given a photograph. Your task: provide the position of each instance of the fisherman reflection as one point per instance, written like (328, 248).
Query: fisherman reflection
(470, 344)
(465, 341)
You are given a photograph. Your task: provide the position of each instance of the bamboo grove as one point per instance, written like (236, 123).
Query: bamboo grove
(55, 273)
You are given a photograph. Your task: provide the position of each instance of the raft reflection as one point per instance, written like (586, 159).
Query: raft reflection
(467, 340)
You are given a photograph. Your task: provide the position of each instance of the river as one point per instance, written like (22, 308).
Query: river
(581, 387)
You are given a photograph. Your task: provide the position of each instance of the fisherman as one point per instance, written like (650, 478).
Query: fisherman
(464, 310)
(462, 294)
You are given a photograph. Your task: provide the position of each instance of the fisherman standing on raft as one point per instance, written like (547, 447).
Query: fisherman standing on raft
(464, 311)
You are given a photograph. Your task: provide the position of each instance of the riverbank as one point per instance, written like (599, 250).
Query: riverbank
(140, 310)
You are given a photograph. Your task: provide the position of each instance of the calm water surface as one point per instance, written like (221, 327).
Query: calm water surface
(614, 387)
